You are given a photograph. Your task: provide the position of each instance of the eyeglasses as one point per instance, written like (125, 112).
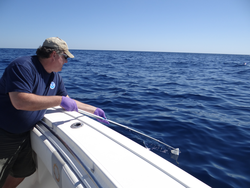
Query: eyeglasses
(65, 56)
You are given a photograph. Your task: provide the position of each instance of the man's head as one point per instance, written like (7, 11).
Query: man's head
(53, 44)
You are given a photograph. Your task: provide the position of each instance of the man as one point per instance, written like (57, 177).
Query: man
(28, 87)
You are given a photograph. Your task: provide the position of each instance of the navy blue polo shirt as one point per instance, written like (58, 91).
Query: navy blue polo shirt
(26, 74)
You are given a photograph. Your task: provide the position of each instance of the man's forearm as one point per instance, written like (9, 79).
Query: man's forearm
(33, 102)
(85, 107)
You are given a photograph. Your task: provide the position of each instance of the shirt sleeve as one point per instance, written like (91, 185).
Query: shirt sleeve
(19, 78)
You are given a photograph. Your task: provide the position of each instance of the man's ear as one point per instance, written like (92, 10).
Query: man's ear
(53, 56)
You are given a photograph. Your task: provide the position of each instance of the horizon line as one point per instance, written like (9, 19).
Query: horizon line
(215, 53)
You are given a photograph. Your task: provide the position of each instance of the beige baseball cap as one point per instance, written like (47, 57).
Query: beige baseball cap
(55, 42)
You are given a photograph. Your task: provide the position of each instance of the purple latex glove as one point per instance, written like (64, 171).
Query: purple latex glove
(100, 112)
(68, 104)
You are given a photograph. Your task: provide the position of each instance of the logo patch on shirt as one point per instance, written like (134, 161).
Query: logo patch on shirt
(52, 85)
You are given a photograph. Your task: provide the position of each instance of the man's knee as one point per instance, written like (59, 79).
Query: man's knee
(12, 182)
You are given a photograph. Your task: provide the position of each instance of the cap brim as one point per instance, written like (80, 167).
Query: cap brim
(69, 54)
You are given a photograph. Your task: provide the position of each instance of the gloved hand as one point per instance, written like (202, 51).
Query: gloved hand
(100, 112)
(69, 104)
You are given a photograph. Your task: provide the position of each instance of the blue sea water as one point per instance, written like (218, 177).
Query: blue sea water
(199, 103)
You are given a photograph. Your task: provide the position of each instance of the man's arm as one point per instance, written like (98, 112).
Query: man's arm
(85, 107)
(93, 110)
(33, 102)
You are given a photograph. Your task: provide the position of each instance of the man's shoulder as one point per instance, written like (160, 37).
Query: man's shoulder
(24, 60)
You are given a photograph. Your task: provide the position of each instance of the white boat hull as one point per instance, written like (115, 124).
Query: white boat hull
(93, 155)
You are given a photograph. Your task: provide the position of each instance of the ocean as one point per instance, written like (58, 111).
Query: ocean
(199, 103)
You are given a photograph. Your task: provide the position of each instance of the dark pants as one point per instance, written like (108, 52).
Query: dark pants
(15, 156)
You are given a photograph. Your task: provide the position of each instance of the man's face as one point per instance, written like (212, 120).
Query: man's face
(60, 59)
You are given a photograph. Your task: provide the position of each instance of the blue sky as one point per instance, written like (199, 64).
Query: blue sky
(198, 26)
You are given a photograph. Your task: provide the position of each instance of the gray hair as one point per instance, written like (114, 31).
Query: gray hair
(44, 52)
